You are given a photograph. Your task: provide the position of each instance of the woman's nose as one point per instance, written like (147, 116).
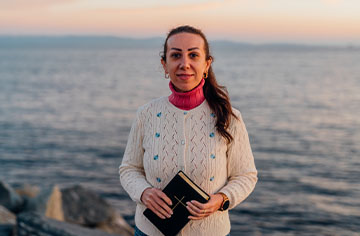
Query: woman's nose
(184, 63)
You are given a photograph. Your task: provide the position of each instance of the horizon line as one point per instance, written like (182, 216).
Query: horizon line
(225, 40)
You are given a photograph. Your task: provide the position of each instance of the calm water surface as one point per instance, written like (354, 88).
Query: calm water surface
(65, 114)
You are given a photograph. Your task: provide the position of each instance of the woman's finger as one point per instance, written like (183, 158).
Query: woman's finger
(200, 205)
(211, 206)
(158, 204)
(195, 211)
(162, 206)
(152, 198)
(196, 214)
(162, 195)
(153, 209)
(164, 202)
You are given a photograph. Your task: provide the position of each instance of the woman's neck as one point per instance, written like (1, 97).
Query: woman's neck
(187, 100)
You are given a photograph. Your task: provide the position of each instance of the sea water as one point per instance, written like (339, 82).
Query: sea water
(66, 111)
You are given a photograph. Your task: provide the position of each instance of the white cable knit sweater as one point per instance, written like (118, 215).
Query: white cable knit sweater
(165, 139)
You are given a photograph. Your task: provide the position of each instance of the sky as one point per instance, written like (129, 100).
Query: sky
(254, 21)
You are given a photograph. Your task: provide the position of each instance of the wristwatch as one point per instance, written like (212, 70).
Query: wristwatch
(225, 204)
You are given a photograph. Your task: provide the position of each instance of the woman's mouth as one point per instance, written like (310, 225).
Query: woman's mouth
(184, 76)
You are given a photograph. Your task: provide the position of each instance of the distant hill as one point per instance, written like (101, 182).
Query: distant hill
(122, 42)
(77, 41)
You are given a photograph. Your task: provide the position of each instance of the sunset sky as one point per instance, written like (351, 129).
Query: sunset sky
(256, 21)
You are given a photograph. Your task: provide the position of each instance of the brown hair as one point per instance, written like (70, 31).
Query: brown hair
(215, 94)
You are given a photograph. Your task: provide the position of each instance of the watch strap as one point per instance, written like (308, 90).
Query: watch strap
(225, 200)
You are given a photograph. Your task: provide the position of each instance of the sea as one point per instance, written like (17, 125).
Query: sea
(67, 105)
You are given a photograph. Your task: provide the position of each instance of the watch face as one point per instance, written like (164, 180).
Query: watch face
(226, 205)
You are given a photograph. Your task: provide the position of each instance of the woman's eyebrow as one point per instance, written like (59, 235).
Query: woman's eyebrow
(190, 49)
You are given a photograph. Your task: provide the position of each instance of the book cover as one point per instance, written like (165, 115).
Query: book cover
(180, 190)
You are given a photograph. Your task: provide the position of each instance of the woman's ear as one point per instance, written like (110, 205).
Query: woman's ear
(208, 63)
(164, 65)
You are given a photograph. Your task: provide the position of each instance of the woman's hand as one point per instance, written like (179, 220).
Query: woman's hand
(199, 211)
(157, 202)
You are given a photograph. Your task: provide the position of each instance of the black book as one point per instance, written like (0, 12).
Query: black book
(180, 190)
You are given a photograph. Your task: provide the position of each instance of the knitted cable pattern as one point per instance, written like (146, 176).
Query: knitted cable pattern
(165, 139)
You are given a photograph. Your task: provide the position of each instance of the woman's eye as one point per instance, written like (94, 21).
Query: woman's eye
(175, 55)
(193, 55)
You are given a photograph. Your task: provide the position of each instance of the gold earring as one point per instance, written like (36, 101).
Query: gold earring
(167, 75)
(205, 75)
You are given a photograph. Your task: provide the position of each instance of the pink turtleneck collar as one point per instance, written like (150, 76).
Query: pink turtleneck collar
(187, 100)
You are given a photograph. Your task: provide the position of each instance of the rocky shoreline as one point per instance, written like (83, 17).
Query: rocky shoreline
(73, 211)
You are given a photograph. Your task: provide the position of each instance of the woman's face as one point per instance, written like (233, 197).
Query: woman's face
(185, 61)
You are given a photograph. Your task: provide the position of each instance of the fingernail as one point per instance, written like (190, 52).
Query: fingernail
(187, 203)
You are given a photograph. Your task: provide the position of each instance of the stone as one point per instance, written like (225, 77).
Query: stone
(48, 203)
(84, 207)
(7, 222)
(6, 230)
(117, 225)
(28, 191)
(6, 217)
(34, 224)
(9, 198)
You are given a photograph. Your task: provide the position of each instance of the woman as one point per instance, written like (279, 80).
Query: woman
(195, 130)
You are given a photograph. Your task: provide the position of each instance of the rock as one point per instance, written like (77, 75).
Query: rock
(48, 202)
(54, 207)
(9, 198)
(34, 224)
(117, 225)
(6, 230)
(6, 217)
(74, 205)
(7, 222)
(84, 207)
(28, 191)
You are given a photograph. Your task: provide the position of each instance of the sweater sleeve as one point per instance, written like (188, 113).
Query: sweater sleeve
(131, 170)
(242, 173)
